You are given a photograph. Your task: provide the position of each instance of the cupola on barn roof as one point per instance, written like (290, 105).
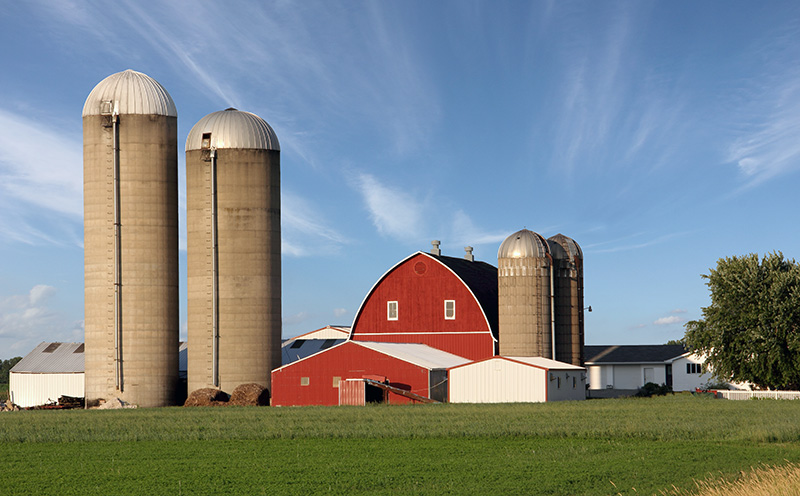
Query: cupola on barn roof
(523, 244)
(132, 93)
(233, 128)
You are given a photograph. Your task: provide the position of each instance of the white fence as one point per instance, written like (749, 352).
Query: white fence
(746, 395)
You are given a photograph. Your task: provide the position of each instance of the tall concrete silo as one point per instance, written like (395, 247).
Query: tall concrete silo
(524, 299)
(130, 181)
(568, 298)
(234, 251)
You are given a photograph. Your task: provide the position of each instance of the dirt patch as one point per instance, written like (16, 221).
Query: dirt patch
(250, 395)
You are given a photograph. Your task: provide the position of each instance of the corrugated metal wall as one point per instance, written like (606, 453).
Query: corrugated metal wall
(497, 381)
(39, 389)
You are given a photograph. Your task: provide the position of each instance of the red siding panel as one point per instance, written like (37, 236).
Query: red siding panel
(420, 285)
(346, 361)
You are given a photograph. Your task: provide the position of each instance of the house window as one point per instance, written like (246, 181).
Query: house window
(391, 310)
(336, 380)
(304, 381)
(694, 368)
(449, 309)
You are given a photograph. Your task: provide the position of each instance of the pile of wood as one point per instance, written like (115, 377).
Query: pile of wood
(70, 402)
(207, 397)
(250, 395)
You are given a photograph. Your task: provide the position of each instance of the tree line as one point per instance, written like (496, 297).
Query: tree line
(5, 368)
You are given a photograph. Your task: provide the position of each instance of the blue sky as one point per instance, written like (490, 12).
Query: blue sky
(660, 135)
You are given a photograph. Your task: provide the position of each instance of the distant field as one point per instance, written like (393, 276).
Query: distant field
(632, 446)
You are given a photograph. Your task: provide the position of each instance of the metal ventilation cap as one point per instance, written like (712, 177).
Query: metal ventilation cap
(564, 247)
(231, 128)
(523, 244)
(130, 92)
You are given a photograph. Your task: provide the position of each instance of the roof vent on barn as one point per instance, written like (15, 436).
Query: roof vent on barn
(435, 250)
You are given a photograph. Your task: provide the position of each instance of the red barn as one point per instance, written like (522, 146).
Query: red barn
(315, 380)
(447, 303)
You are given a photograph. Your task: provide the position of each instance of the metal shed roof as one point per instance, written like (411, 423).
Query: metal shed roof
(233, 128)
(545, 363)
(418, 354)
(52, 358)
(133, 93)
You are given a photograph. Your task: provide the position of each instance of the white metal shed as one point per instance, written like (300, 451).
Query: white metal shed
(49, 371)
(516, 380)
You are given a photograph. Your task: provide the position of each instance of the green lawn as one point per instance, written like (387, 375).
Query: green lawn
(633, 446)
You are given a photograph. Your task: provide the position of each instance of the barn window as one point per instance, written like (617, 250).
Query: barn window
(336, 380)
(304, 381)
(449, 309)
(391, 310)
(327, 344)
(298, 343)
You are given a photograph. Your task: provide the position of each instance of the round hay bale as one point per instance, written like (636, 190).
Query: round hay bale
(250, 395)
(207, 397)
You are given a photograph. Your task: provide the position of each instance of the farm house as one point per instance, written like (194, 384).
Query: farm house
(407, 367)
(622, 370)
(49, 371)
(516, 380)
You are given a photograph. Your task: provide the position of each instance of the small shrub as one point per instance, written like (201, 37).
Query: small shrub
(653, 389)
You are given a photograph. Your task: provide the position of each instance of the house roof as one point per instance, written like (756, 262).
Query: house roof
(418, 354)
(52, 358)
(648, 353)
(538, 362)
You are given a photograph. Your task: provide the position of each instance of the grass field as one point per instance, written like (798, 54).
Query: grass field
(632, 446)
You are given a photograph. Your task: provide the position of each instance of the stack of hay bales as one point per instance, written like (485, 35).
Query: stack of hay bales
(244, 395)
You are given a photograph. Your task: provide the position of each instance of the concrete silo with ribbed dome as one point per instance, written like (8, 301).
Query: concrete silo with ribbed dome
(524, 302)
(233, 251)
(130, 166)
(568, 298)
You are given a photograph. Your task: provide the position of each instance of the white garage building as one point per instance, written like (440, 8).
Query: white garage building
(516, 380)
(49, 371)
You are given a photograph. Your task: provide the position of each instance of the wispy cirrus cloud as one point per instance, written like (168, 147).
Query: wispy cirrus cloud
(767, 109)
(411, 217)
(304, 230)
(41, 180)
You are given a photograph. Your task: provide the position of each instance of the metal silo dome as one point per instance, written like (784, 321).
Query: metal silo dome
(130, 92)
(523, 244)
(232, 128)
(564, 247)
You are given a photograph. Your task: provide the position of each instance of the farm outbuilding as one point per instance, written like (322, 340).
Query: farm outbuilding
(444, 302)
(516, 380)
(413, 368)
(49, 371)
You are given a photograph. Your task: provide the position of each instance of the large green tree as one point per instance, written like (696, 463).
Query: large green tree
(751, 330)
